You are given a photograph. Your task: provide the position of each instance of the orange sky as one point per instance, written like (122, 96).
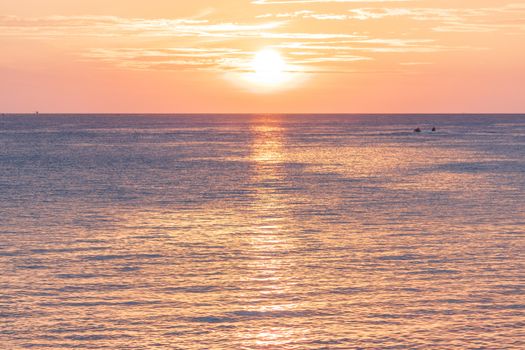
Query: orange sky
(179, 56)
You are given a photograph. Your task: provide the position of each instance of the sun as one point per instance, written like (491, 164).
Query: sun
(268, 68)
(267, 71)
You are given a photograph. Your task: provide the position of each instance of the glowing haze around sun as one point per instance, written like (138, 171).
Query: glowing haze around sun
(281, 56)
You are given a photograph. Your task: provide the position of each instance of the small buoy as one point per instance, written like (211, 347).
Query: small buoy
(434, 128)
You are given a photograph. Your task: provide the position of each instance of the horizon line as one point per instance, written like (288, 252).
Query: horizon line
(37, 113)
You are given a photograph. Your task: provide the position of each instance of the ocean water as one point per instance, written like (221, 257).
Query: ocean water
(262, 232)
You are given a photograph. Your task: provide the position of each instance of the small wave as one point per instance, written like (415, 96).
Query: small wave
(31, 267)
(191, 289)
(212, 319)
(76, 275)
(123, 257)
(399, 257)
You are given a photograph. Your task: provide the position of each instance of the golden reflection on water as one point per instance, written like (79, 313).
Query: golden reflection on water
(267, 242)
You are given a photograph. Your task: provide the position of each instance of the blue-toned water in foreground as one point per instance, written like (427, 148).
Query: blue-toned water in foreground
(262, 232)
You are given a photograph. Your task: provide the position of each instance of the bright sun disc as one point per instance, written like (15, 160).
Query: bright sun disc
(269, 68)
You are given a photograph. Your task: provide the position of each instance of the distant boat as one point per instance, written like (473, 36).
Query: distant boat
(417, 130)
(37, 113)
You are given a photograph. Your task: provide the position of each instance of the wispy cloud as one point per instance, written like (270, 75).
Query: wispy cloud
(304, 34)
(480, 16)
(277, 2)
(117, 26)
(180, 58)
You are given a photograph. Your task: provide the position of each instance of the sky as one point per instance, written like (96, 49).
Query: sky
(199, 56)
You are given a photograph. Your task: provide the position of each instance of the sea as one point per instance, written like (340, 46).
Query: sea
(262, 232)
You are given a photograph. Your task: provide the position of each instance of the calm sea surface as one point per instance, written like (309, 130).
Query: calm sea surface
(262, 232)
